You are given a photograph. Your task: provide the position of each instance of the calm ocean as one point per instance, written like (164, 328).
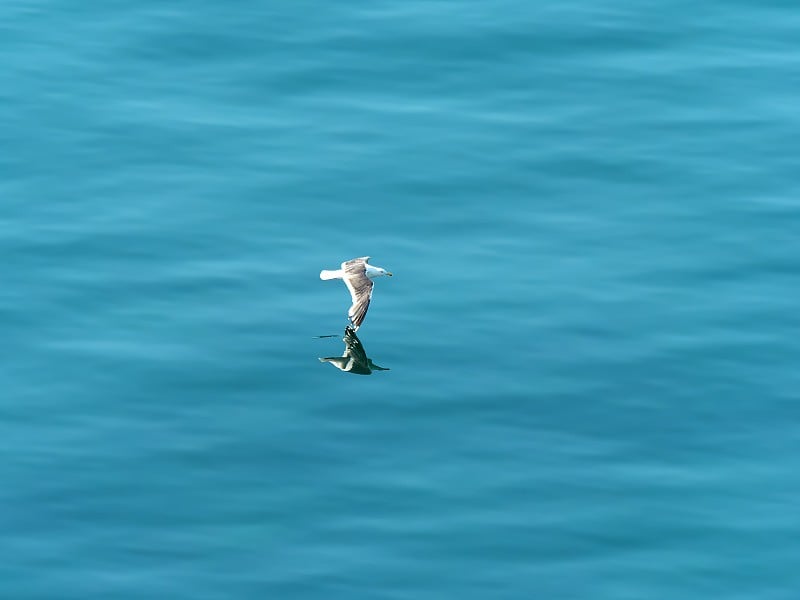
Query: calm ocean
(592, 212)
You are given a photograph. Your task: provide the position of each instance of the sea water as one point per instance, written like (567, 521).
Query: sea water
(591, 211)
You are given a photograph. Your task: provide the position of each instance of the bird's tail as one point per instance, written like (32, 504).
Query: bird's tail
(325, 274)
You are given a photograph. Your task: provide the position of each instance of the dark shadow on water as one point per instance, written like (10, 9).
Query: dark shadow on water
(355, 359)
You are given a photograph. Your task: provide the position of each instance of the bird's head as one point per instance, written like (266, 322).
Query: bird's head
(373, 272)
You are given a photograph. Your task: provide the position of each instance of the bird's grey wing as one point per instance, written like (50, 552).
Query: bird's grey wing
(360, 286)
(355, 263)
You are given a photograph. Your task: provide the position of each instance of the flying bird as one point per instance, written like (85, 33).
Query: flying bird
(355, 359)
(358, 276)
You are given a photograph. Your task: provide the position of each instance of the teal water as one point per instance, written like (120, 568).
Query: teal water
(591, 211)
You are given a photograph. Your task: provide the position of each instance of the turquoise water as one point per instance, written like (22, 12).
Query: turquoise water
(591, 211)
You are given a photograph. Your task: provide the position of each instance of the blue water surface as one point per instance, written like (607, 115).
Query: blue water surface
(592, 213)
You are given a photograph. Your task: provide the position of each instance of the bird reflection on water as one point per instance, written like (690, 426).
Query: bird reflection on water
(355, 359)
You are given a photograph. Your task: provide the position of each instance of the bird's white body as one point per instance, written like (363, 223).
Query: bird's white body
(369, 271)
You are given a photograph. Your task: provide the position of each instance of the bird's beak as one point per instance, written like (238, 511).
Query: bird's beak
(388, 273)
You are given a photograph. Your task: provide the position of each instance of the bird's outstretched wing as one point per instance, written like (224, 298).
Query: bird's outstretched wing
(360, 286)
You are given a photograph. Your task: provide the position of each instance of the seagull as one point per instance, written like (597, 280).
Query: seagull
(355, 359)
(358, 276)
